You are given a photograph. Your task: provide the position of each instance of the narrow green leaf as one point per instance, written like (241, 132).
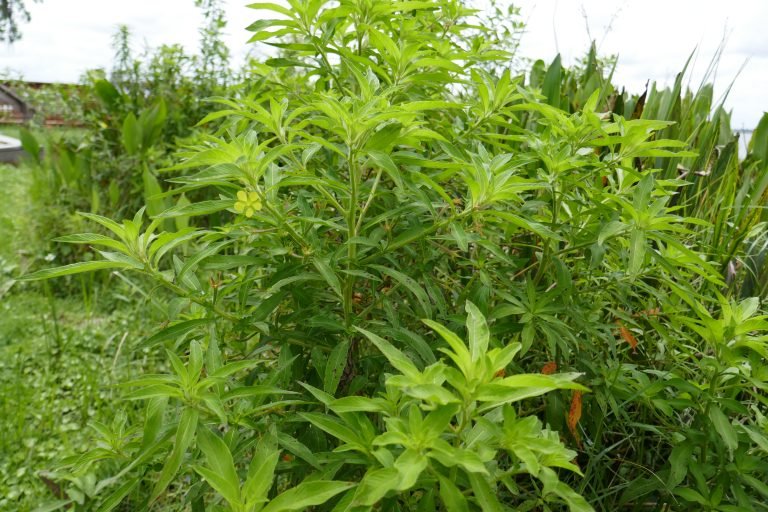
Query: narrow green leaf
(320, 395)
(53, 505)
(461, 355)
(131, 134)
(551, 86)
(200, 256)
(691, 495)
(357, 404)
(30, 144)
(384, 161)
(232, 368)
(74, 268)
(153, 421)
(460, 236)
(261, 471)
(184, 435)
(272, 7)
(411, 284)
(334, 367)
(636, 251)
(478, 332)
(760, 439)
(610, 230)
(528, 225)
(451, 496)
(756, 484)
(724, 427)
(332, 426)
(393, 355)
(166, 242)
(221, 485)
(153, 391)
(222, 475)
(307, 494)
(152, 192)
(375, 485)
(117, 496)
(195, 209)
(519, 387)
(299, 449)
(174, 332)
(409, 465)
(250, 391)
(678, 461)
(449, 456)
(485, 496)
(93, 239)
(111, 225)
(329, 275)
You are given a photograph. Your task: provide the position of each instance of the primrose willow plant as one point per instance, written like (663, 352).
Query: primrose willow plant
(370, 185)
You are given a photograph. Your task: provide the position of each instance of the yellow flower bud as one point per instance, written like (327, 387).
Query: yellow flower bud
(247, 203)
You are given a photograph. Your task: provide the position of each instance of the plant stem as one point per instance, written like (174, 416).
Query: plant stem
(352, 227)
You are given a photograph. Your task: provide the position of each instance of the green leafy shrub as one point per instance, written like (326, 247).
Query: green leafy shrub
(379, 177)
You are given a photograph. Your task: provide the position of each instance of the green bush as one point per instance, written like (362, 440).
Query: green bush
(378, 180)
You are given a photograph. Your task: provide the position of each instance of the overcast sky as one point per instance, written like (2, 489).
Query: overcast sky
(653, 38)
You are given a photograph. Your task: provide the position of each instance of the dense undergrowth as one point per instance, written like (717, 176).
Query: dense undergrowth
(387, 273)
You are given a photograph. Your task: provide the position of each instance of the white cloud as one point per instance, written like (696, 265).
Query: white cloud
(653, 38)
(67, 37)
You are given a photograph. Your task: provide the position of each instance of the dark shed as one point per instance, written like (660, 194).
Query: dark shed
(12, 107)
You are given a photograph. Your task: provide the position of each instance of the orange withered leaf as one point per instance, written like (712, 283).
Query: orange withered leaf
(574, 415)
(549, 368)
(500, 373)
(627, 335)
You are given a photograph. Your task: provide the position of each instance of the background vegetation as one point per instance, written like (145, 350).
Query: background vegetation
(385, 269)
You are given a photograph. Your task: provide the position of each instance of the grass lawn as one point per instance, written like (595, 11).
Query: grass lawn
(12, 130)
(60, 358)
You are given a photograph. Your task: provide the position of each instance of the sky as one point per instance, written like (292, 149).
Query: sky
(652, 38)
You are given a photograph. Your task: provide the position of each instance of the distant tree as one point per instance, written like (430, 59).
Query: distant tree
(12, 12)
(214, 54)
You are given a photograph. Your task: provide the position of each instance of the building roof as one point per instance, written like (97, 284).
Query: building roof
(7, 94)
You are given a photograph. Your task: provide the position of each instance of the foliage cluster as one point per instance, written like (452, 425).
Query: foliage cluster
(12, 13)
(414, 281)
(132, 122)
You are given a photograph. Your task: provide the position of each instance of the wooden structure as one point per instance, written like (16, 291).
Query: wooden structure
(13, 109)
(16, 104)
